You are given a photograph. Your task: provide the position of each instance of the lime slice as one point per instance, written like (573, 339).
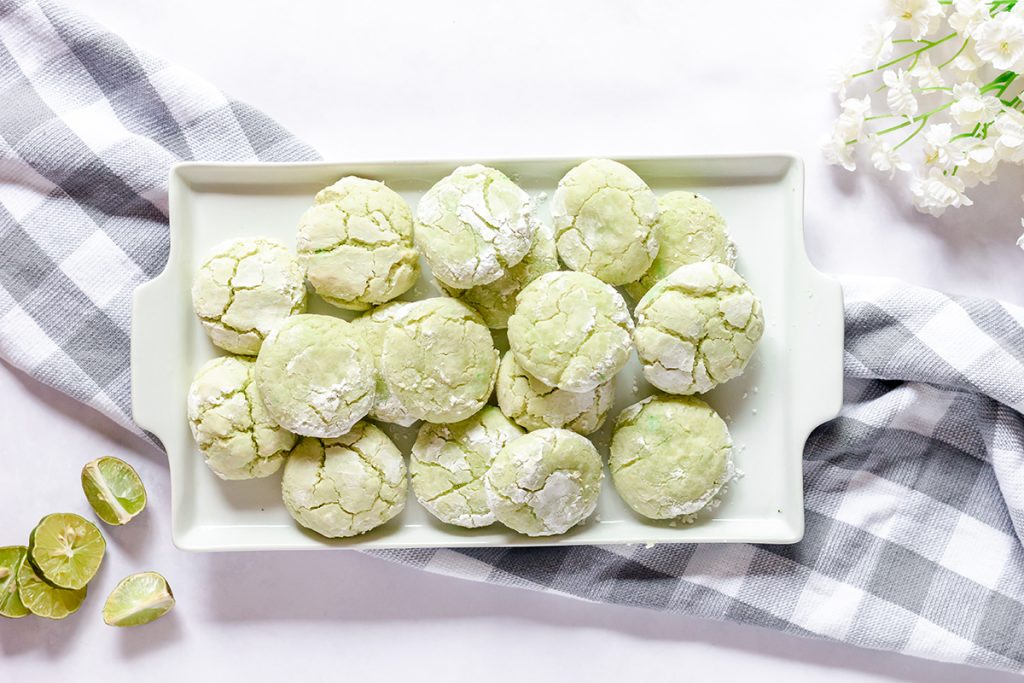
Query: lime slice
(113, 489)
(137, 600)
(11, 559)
(67, 549)
(45, 600)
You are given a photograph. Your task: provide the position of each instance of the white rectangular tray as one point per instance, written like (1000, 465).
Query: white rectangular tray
(793, 383)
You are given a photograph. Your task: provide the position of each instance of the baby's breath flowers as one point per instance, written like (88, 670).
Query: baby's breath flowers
(935, 93)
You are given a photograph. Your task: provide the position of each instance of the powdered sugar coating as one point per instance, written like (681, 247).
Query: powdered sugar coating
(372, 326)
(245, 289)
(545, 483)
(697, 328)
(448, 464)
(570, 331)
(315, 376)
(473, 225)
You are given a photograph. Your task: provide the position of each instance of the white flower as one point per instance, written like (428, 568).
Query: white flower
(978, 161)
(851, 119)
(839, 151)
(878, 47)
(927, 74)
(936, 192)
(1000, 41)
(884, 157)
(939, 149)
(968, 15)
(922, 16)
(900, 97)
(966, 66)
(1008, 130)
(971, 107)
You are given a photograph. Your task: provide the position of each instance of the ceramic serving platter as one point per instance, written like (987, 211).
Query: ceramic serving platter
(793, 383)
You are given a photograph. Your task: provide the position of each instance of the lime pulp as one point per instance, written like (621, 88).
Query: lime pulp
(67, 549)
(113, 489)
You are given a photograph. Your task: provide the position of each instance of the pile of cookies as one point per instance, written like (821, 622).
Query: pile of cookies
(301, 389)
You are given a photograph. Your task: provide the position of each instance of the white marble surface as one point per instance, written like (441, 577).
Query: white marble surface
(382, 80)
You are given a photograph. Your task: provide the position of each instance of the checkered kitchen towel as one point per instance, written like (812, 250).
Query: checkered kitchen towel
(915, 494)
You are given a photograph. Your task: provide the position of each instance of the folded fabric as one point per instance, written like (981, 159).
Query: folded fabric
(915, 494)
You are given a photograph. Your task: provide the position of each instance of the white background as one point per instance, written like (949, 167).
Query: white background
(376, 80)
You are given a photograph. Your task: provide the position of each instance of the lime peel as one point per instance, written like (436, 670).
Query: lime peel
(11, 559)
(137, 600)
(113, 489)
(67, 549)
(43, 599)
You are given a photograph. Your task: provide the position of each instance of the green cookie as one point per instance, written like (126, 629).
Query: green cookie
(316, 376)
(347, 485)
(604, 217)
(355, 243)
(697, 328)
(234, 431)
(570, 331)
(670, 456)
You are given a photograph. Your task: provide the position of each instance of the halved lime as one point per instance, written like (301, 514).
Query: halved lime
(138, 599)
(11, 559)
(45, 600)
(113, 489)
(67, 549)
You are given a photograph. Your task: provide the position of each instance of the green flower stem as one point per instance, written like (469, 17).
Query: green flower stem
(912, 135)
(928, 45)
(956, 54)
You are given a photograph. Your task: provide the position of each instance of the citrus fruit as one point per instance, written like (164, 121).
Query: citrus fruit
(11, 559)
(113, 489)
(67, 549)
(138, 599)
(45, 600)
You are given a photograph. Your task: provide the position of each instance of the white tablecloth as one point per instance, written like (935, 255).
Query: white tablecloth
(380, 81)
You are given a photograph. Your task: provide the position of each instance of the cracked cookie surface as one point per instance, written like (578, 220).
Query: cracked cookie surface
(372, 325)
(570, 331)
(234, 432)
(604, 216)
(545, 482)
(697, 328)
(439, 360)
(316, 376)
(690, 230)
(496, 301)
(534, 405)
(473, 225)
(670, 456)
(244, 290)
(449, 461)
(356, 244)
(347, 485)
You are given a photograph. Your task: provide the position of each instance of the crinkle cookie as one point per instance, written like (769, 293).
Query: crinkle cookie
(534, 405)
(545, 482)
(474, 225)
(448, 465)
(496, 300)
(570, 331)
(355, 243)
(697, 328)
(690, 230)
(347, 485)
(372, 326)
(316, 376)
(439, 360)
(604, 217)
(244, 290)
(234, 432)
(670, 456)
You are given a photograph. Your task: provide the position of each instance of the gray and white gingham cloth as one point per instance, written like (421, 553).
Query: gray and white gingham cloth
(915, 494)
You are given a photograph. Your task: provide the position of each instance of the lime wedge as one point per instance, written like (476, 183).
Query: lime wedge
(113, 489)
(45, 600)
(11, 559)
(137, 600)
(67, 549)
